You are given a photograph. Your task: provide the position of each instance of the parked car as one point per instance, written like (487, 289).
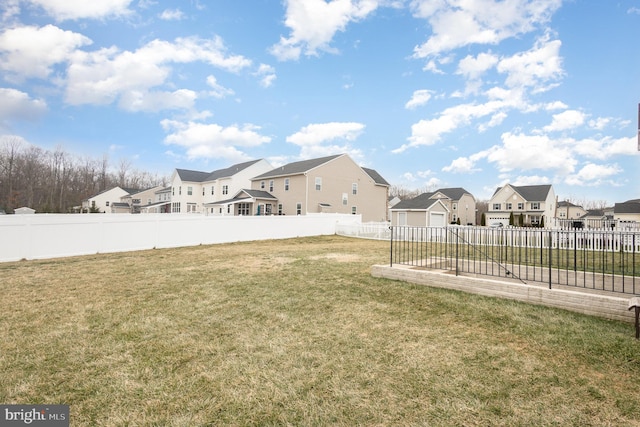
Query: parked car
(497, 225)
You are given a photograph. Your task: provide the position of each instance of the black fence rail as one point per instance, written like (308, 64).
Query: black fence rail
(601, 260)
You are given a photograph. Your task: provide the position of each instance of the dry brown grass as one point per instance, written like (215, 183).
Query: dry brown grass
(297, 332)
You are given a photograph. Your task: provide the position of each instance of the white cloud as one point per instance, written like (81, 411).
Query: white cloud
(171, 15)
(456, 24)
(266, 74)
(531, 180)
(62, 10)
(473, 67)
(599, 123)
(316, 140)
(593, 174)
(218, 91)
(319, 133)
(534, 68)
(32, 51)
(19, 105)
(212, 140)
(529, 152)
(429, 132)
(313, 24)
(568, 119)
(606, 147)
(105, 75)
(419, 97)
(461, 165)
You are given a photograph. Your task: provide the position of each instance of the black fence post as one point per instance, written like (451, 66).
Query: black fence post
(550, 257)
(391, 248)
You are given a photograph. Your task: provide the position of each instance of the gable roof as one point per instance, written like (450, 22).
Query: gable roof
(567, 204)
(632, 207)
(296, 168)
(192, 176)
(244, 194)
(198, 176)
(423, 201)
(377, 178)
(455, 193)
(531, 193)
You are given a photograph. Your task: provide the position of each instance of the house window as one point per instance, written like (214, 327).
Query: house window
(212, 190)
(180, 191)
(107, 203)
(318, 183)
(225, 189)
(286, 184)
(262, 185)
(203, 191)
(455, 206)
(267, 209)
(535, 206)
(191, 207)
(521, 206)
(136, 201)
(279, 208)
(175, 207)
(345, 199)
(271, 185)
(173, 191)
(509, 206)
(298, 208)
(243, 208)
(228, 209)
(496, 206)
(189, 191)
(354, 210)
(354, 188)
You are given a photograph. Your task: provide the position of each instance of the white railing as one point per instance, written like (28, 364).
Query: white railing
(367, 230)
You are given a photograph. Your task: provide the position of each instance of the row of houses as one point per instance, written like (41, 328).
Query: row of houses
(532, 205)
(336, 184)
(332, 184)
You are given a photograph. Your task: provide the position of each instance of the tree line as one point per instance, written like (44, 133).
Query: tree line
(55, 181)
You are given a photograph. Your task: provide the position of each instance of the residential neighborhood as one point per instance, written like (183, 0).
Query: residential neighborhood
(337, 184)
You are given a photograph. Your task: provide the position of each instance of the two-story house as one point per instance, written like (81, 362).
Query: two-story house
(191, 190)
(332, 184)
(134, 202)
(535, 204)
(567, 210)
(103, 201)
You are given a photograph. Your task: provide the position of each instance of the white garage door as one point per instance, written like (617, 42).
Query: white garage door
(436, 219)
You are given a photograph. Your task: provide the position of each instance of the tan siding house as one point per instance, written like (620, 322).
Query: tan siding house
(536, 203)
(333, 184)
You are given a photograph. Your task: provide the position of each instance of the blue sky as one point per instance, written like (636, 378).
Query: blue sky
(430, 93)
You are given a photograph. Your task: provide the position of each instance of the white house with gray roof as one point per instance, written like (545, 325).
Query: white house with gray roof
(192, 190)
(535, 203)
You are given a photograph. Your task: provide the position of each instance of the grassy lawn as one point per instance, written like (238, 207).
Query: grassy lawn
(297, 332)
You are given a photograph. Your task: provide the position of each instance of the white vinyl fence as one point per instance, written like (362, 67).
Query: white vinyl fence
(52, 235)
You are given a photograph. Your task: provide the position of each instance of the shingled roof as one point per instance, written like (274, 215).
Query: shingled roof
(198, 176)
(454, 193)
(296, 168)
(531, 193)
(423, 201)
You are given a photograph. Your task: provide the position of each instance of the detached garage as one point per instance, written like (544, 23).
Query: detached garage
(420, 212)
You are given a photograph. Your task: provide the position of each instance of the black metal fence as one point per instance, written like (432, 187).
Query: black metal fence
(601, 260)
